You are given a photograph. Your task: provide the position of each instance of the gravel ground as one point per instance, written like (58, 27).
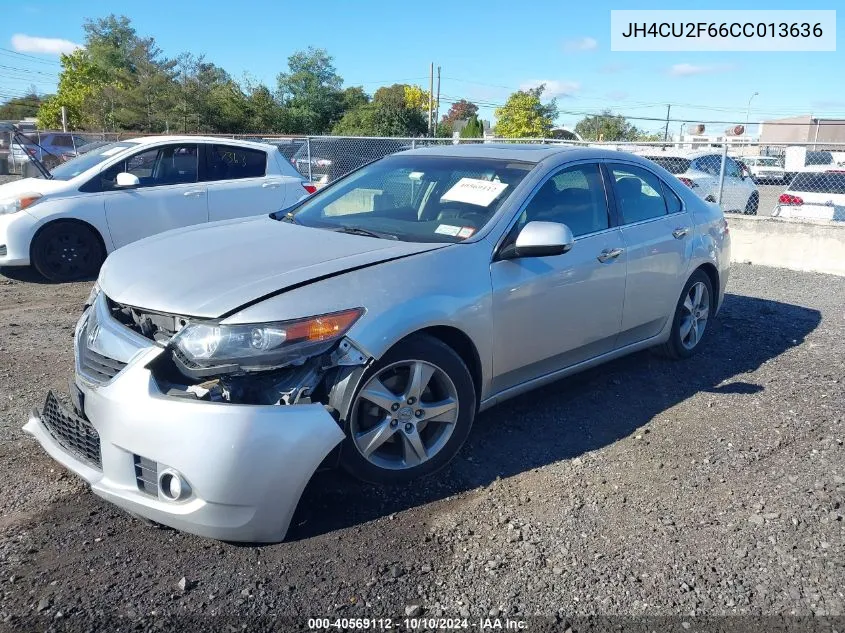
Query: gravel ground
(646, 487)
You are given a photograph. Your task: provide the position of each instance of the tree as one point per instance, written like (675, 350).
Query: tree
(460, 111)
(80, 85)
(525, 116)
(473, 129)
(416, 97)
(609, 127)
(19, 108)
(311, 91)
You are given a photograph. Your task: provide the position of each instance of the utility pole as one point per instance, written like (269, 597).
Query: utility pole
(437, 103)
(430, 95)
(666, 132)
(64, 119)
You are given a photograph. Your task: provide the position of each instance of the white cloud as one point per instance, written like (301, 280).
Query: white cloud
(554, 88)
(581, 44)
(689, 70)
(50, 45)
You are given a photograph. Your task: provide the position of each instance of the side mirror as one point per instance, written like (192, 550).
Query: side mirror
(125, 180)
(540, 239)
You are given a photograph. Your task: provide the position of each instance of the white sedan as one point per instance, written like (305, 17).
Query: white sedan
(817, 193)
(122, 192)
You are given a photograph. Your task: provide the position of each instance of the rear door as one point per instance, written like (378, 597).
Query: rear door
(169, 195)
(657, 231)
(240, 183)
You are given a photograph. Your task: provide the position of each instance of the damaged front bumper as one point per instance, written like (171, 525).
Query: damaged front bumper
(240, 468)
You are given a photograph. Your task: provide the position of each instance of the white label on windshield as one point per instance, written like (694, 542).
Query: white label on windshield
(448, 229)
(415, 175)
(112, 151)
(475, 191)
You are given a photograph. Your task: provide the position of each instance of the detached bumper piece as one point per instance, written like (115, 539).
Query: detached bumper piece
(73, 433)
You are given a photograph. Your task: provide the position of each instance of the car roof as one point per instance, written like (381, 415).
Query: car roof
(674, 152)
(187, 138)
(525, 152)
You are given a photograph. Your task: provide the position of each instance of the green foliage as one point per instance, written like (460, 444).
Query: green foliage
(473, 129)
(444, 130)
(21, 107)
(121, 80)
(611, 127)
(525, 116)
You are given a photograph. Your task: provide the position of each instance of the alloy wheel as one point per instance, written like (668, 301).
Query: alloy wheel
(696, 311)
(404, 415)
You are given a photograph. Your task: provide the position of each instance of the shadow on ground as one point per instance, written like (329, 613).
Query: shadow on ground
(575, 415)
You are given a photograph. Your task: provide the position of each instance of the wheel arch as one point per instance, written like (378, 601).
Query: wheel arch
(713, 275)
(464, 347)
(50, 223)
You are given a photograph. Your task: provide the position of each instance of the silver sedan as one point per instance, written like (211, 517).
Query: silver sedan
(218, 367)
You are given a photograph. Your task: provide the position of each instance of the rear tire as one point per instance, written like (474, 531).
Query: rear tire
(67, 251)
(752, 204)
(693, 311)
(397, 432)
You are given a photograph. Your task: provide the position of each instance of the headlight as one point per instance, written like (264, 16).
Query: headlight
(92, 296)
(19, 203)
(206, 348)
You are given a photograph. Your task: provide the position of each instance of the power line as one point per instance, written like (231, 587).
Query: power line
(32, 57)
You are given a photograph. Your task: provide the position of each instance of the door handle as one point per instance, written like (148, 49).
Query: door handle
(608, 254)
(270, 185)
(193, 194)
(680, 232)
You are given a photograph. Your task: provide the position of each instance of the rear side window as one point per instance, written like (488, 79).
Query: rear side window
(710, 164)
(639, 193)
(672, 164)
(229, 162)
(824, 182)
(673, 202)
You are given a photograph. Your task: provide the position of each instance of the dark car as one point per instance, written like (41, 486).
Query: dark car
(332, 158)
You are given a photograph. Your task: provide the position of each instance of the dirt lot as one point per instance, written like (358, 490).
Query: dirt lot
(646, 487)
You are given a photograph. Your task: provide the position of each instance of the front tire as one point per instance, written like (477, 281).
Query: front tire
(411, 415)
(692, 314)
(67, 251)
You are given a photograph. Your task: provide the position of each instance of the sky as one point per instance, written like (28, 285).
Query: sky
(485, 51)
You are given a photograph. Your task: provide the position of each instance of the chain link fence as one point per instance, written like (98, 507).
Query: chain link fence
(789, 180)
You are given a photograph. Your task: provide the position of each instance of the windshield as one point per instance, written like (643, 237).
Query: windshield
(672, 164)
(416, 198)
(84, 162)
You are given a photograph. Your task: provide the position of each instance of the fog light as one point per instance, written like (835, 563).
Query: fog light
(172, 485)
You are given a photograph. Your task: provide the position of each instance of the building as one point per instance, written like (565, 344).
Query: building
(802, 129)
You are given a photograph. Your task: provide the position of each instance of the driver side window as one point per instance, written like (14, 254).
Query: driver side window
(166, 165)
(574, 196)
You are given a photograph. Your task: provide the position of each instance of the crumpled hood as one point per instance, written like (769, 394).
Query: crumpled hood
(30, 185)
(212, 269)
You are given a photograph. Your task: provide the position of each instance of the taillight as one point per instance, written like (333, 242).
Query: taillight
(788, 199)
(293, 162)
(309, 187)
(688, 182)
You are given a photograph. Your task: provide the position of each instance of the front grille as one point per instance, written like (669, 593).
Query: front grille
(96, 366)
(146, 475)
(75, 434)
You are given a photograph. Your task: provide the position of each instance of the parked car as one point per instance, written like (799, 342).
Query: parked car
(335, 157)
(815, 194)
(121, 192)
(218, 367)
(51, 148)
(700, 171)
(765, 169)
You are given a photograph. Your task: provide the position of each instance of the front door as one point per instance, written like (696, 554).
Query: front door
(168, 196)
(553, 312)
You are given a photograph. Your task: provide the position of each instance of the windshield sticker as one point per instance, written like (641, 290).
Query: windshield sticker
(415, 175)
(466, 232)
(448, 229)
(112, 151)
(474, 191)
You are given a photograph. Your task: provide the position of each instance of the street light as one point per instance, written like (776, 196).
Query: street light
(747, 111)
